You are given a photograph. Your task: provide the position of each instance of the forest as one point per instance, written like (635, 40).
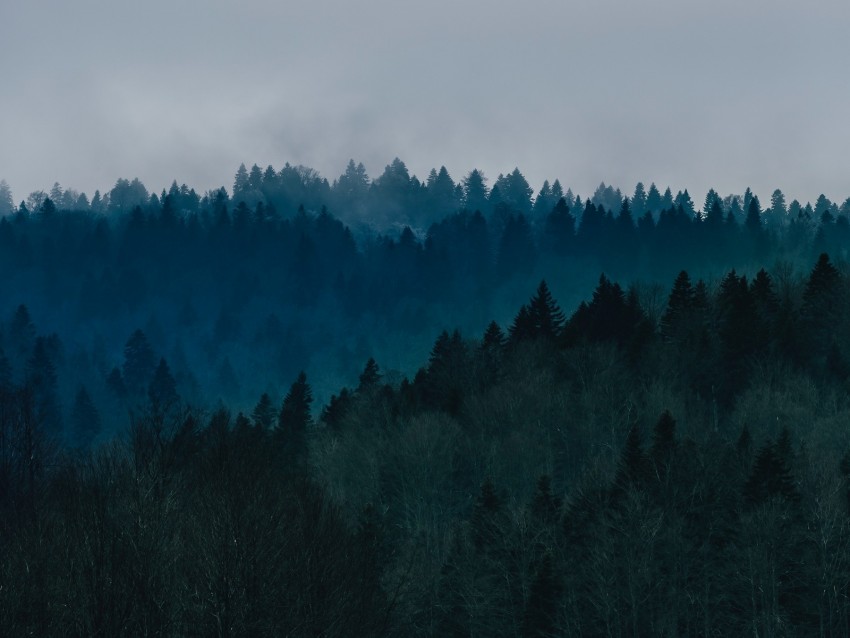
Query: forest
(399, 408)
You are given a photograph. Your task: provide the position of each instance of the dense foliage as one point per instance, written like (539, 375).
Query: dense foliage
(660, 459)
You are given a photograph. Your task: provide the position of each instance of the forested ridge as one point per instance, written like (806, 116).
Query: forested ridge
(665, 454)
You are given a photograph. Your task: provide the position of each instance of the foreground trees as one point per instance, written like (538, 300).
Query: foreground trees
(591, 475)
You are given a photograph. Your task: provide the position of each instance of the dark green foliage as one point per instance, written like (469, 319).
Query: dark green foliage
(294, 417)
(679, 307)
(442, 384)
(824, 301)
(162, 391)
(494, 338)
(5, 371)
(545, 507)
(370, 377)
(333, 414)
(771, 474)
(219, 527)
(522, 328)
(541, 610)
(663, 439)
(486, 519)
(264, 412)
(547, 319)
(559, 231)
(610, 316)
(41, 379)
(293, 423)
(115, 383)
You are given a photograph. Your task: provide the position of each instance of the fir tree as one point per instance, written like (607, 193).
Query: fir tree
(664, 439)
(546, 317)
(494, 338)
(264, 413)
(541, 609)
(294, 420)
(679, 306)
(162, 390)
(370, 377)
(545, 507)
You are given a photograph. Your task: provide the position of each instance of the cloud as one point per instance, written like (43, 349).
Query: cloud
(696, 95)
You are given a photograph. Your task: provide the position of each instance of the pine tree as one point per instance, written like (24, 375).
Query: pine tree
(485, 523)
(546, 317)
(522, 327)
(41, 378)
(115, 383)
(263, 414)
(162, 390)
(664, 439)
(679, 306)
(824, 303)
(559, 231)
(370, 377)
(541, 609)
(771, 474)
(5, 372)
(494, 338)
(294, 420)
(21, 336)
(545, 507)
(333, 414)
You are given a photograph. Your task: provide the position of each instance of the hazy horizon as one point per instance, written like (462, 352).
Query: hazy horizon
(718, 96)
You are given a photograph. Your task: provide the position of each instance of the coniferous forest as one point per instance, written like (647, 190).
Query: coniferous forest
(393, 407)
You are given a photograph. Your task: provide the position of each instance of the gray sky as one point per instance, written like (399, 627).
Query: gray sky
(721, 94)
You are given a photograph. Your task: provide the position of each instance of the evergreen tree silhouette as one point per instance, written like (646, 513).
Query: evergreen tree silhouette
(162, 390)
(771, 474)
(264, 412)
(679, 306)
(544, 596)
(294, 420)
(546, 317)
(545, 507)
(370, 377)
(485, 524)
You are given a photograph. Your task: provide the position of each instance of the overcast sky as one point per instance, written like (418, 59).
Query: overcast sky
(691, 94)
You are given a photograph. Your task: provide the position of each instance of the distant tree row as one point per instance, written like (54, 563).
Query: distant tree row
(397, 198)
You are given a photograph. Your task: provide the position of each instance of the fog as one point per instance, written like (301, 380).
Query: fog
(687, 95)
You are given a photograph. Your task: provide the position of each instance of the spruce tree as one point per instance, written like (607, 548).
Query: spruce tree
(544, 596)
(679, 306)
(264, 413)
(664, 439)
(162, 390)
(494, 338)
(294, 420)
(370, 377)
(546, 317)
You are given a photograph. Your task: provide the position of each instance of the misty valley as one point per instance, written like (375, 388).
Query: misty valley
(393, 407)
